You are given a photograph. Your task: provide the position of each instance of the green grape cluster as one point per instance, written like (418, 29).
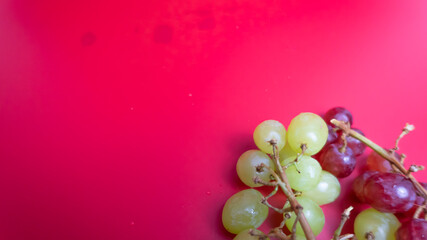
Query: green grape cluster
(306, 136)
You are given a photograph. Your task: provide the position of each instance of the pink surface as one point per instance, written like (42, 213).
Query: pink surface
(124, 119)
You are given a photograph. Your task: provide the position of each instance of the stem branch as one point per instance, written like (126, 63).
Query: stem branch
(384, 153)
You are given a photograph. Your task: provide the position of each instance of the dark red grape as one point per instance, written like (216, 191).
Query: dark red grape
(357, 146)
(339, 164)
(359, 182)
(424, 186)
(332, 135)
(389, 192)
(414, 229)
(375, 162)
(338, 113)
(418, 202)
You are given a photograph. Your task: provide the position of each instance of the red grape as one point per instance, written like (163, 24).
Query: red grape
(375, 162)
(359, 182)
(414, 229)
(339, 164)
(389, 192)
(357, 146)
(332, 135)
(338, 113)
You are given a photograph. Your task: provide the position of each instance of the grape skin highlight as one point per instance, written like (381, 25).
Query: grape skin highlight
(308, 175)
(312, 212)
(244, 210)
(248, 167)
(267, 131)
(382, 225)
(327, 190)
(309, 129)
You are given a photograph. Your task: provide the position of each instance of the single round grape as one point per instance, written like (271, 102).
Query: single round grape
(413, 229)
(267, 131)
(248, 167)
(245, 235)
(356, 145)
(382, 225)
(312, 212)
(332, 135)
(418, 202)
(359, 183)
(244, 210)
(304, 174)
(340, 164)
(327, 190)
(287, 154)
(338, 113)
(375, 162)
(308, 129)
(389, 192)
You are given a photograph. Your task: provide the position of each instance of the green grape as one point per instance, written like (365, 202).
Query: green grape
(308, 175)
(245, 235)
(247, 167)
(312, 212)
(327, 190)
(308, 129)
(287, 155)
(267, 131)
(382, 225)
(244, 210)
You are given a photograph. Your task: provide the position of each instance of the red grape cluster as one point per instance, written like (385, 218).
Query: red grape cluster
(384, 189)
(339, 154)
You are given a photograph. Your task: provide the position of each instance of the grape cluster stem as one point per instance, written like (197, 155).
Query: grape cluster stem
(344, 217)
(388, 155)
(282, 181)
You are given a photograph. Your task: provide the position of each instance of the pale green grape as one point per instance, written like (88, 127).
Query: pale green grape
(244, 235)
(312, 212)
(244, 210)
(247, 167)
(382, 225)
(287, 155)
(327, 190)
(308, 175)
(267, 131)
(308, 129)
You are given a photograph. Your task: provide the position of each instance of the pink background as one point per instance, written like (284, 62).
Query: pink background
(124, 119)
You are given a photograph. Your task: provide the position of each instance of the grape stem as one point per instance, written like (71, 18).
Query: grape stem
(389, 156)
(283, 182)
(344, 217)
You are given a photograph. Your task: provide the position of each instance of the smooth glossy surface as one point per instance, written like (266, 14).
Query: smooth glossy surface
(340, 164)
(326, 191)
(413, 229)
(244, 210)
(267, 131)
(332, 135)
(382, 225)
(248, 167)
(287, 155)
(356, 146)
(338, 113)
(309, 129)
(389, 192)
(304, 174)
(359, 183)
(245, 235)
(312, 212)
(375, 162)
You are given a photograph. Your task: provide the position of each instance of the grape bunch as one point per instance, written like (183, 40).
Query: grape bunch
(339, 155)
(286, 160)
